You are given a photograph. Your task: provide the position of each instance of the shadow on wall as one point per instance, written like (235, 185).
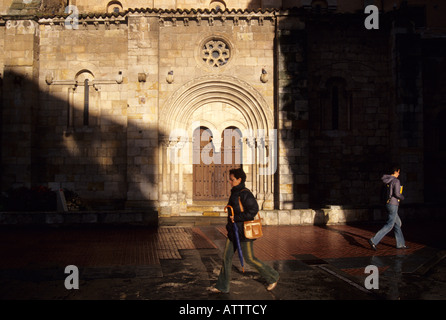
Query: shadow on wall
(45, 141)
(335, 87)
(331, 96)
(349, 94)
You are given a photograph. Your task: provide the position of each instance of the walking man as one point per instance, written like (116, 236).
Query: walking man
(393, 200)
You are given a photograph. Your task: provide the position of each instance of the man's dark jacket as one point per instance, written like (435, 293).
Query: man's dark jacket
(250, 210)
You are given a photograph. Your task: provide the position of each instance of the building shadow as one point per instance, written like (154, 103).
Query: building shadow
(349, 237)
(351, 101)
(48, 141)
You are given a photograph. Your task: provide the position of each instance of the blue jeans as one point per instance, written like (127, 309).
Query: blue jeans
(268, 273)
(393, 222)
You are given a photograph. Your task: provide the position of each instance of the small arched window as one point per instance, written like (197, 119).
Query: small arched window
(114, 7)
(217, 5)
(84, 110)
(319, 5)
(336, 105)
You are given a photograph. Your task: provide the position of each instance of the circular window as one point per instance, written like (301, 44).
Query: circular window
(215, 53)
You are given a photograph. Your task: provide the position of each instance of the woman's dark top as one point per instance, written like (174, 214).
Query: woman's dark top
(250, 210)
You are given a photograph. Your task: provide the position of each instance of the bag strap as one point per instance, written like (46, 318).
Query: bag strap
(239, 202)
(390, 185)
(390, 192)
(241, 206)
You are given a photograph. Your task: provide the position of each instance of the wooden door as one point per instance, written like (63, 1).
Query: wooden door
(202, 172)
(211, 181)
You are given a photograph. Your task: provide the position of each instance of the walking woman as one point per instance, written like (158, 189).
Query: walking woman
(237, 178)
(393, 201)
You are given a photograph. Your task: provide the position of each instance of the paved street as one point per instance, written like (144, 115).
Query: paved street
(180, 263)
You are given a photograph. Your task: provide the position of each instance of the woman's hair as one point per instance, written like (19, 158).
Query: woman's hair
(394, 167)
(238, 173)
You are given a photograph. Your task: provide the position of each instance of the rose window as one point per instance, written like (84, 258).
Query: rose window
(215, 53)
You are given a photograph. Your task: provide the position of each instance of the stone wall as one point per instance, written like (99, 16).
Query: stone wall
(99, 87)
(30, 7)
(350, 97)
(20, 71)
(434, 117)
(142, 111)
(101, 6)
(407, 124)
(89, 156)
(292, 113)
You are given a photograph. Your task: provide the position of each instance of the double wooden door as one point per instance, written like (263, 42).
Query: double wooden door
(211, 168)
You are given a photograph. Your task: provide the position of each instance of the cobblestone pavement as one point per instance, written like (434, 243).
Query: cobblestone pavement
(180, 263)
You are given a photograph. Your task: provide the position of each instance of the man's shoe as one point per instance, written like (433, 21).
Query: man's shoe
(372, 244)
(403, 247)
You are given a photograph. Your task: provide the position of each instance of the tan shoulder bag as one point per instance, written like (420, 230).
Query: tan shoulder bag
(252, 228)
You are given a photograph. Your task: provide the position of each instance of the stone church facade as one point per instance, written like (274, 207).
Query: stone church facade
(114, 100)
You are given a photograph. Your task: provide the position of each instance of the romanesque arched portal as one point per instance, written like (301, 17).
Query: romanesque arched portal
(220, 104)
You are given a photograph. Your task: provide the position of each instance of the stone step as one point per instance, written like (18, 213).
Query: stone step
(205, 208)
(203, 213)
(191, 221)
(147, 217)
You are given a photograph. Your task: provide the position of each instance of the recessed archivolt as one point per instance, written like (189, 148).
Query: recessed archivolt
(209, 99)
(177, 111)
(218, 116)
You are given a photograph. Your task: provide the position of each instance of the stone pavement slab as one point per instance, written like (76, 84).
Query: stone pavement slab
(180, 263)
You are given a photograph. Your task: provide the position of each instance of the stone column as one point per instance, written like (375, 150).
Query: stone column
(270, 167)
(260, 160)
(164, 179)
(251, 156)
(172, 196)
(181, 195)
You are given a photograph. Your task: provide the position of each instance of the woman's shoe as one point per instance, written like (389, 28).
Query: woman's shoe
(271, 286)
(215, 290)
